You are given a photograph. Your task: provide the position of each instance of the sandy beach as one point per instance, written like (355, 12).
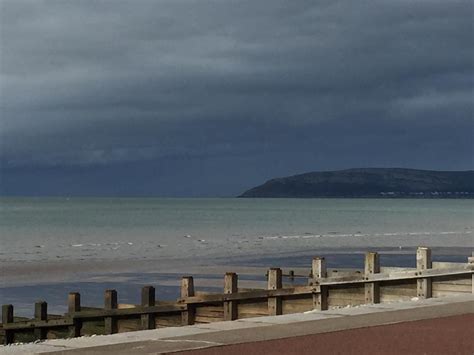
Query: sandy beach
(23, 283)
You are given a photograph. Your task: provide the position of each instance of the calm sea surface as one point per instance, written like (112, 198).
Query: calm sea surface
(34, 229)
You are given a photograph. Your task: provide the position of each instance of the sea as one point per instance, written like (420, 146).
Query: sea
(228, 231)
(35, 229)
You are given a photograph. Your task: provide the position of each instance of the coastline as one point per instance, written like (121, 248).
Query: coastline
(23, 283)
(16, 273)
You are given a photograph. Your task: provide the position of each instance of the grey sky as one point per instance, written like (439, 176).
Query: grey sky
(212, 97)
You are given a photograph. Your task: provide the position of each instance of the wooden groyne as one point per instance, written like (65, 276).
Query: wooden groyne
(325, 288)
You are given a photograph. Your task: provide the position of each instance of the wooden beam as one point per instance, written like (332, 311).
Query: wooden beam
(408, 275)
(33, 324)
(148, 300)
(73, 306)
(127, 312)
(319, 272)
(110, 301)
(7, 318)
(372, 266)
(423, 262)
(230, 286)
(250, 295)
(274, 283)
(319, 269)
(187, 290)
(41, 313)
(470, 261)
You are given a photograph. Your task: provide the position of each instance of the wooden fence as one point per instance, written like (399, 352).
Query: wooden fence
(325, 288)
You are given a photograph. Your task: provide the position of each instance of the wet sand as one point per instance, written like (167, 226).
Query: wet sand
(17, 273)
(23, 283)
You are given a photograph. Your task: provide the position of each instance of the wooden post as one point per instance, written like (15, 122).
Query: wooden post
(470, 261)
(41, 313)
(423, 263)
(187, 290)
(73, 306)
(148, 299)
(110, 300)
(230, 286)
(372, 266)
(291, 274)
(318, 272)
(274, 283)
(7, 317)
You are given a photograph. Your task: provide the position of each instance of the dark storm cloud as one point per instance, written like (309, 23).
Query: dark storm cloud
(251, 89)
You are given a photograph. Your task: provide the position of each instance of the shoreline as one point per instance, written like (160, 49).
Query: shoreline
(17, 273)
(22, 283)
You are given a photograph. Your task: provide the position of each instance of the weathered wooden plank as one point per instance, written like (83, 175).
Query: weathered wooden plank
(41, 314)
(451, 288)
(203, 293)
(7, 320)
(73, 306)
(319, 274)
(356, 296)
(335, 280)
(128, 325)
(344, 273)
(274, 283)
(148, 300)
(393, 291)
(93, 326)
(336, 302)
(423, 262)
(346, 295)
(207, 320)
(372, 266)
(246, 289)
(209, 311)
(101, 313)
(216, 298)
(230, 286)
(438, 293)
(393, 269)
(168, 321)
(453, 280)
(470, 262)
(297, 304)
(440, 265)
(347, 290)
(249, 309)
(52, 323)
(187, 290)
(397, 291)
(408, 275)
(110, 301)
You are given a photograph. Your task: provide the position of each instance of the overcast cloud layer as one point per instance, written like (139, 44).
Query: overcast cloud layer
(195, 98)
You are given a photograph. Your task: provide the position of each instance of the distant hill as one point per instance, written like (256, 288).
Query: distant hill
(370, 182)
